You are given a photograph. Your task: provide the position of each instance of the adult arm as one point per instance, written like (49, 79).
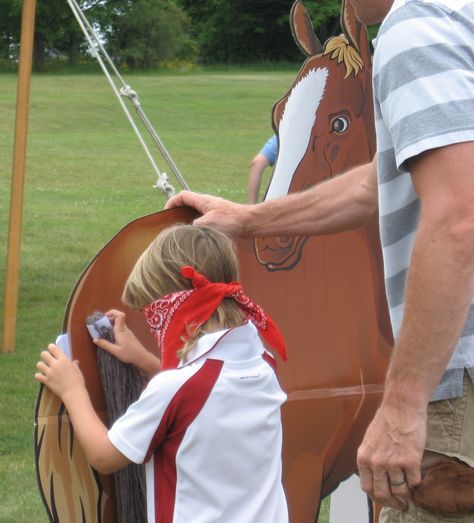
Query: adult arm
(439, 291)
(257, 166)
(65, 380)
(341, 203)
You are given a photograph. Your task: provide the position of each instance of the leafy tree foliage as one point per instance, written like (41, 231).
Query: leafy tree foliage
(249, 30)
(56, 32)
(241, 30)
(325, 15)
(9, 28)
(142, 33)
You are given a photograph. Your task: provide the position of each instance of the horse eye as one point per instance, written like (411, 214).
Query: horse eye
(339, 124)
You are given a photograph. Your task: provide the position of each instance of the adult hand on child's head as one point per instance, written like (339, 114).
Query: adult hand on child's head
(58, 372)
(217, 213)
(127, 348)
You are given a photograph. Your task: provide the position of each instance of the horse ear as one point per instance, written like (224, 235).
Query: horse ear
(302, 30)
(354, 31)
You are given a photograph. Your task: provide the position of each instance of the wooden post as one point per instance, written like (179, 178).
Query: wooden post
(18, 175)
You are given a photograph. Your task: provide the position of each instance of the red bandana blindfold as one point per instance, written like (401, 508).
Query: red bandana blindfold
(171, 317)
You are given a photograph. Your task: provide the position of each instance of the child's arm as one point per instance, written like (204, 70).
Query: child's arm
(127, 348)
(65, 380)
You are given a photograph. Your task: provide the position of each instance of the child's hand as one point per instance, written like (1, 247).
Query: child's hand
(58, 372)
(127, 348)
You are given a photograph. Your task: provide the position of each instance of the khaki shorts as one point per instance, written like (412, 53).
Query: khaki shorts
(450, 432)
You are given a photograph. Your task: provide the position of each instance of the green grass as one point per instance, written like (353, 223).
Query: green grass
(87, 177)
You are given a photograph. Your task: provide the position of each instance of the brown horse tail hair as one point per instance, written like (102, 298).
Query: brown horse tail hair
(341, 50)
(122, 385)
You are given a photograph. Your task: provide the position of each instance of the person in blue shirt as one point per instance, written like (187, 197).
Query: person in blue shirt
(267, 156)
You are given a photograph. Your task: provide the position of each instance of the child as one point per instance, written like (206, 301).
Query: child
(208, 424)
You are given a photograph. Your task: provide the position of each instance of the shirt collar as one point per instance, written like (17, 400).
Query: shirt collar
(235, 344)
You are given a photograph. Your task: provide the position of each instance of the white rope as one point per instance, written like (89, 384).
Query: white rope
(97, 48)
(133, 97)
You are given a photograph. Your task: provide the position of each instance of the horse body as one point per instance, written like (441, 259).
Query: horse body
(326, 293)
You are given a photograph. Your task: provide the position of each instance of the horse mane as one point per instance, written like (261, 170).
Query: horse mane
(343, 51)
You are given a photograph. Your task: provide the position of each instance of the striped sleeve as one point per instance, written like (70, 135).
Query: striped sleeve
(425, 85)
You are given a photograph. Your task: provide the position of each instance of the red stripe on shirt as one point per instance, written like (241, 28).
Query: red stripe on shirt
(270, 360)
(180, 413)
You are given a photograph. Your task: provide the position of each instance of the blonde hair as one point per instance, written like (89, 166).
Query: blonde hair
(158, 273)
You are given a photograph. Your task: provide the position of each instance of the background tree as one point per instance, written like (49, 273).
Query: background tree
(143, 33)
(9, 29)
(57, 33)
(254, 30)
(325, 15)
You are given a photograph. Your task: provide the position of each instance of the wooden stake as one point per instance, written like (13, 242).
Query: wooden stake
(18, 175)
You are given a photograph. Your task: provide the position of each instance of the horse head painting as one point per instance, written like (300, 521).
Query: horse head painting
(324, 123)
(325, 293)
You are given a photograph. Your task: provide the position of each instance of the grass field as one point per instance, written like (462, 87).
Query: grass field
(87, 177)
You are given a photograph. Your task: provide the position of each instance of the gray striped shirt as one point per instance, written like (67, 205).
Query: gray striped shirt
(423, 79)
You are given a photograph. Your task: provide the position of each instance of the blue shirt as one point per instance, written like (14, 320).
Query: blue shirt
(270, 150)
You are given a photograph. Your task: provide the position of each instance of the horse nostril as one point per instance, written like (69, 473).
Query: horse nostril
(333, 151)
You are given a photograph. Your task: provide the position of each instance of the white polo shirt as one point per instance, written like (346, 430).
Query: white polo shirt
(210, 434)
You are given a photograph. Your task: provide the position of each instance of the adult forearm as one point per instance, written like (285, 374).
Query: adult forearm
(345, 202)
(438, 295)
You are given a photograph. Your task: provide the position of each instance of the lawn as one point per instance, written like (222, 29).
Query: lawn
(87, 177)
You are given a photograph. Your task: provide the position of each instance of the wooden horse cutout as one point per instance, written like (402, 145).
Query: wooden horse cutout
(325, 293)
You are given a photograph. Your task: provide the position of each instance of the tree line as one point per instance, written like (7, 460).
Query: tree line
(142, 34)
